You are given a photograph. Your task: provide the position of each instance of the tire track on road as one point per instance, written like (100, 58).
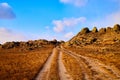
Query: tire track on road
(54, 75)
(44, 73)
(103, 71)
(87, 75)
(62, 70)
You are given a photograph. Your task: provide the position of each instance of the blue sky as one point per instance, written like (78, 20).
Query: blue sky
(60, 19)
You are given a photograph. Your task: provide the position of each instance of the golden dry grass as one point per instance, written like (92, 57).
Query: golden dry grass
(22, 65)
(108, 54)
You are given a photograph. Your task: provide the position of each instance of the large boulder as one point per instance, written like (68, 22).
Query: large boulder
(102, 30)
(53, 42)
(109, 29)
(116, 27)
(91, 40)
(94, 30)
(85, 30)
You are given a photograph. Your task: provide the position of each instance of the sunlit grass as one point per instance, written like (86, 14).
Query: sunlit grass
(23, 66)
(107, 54)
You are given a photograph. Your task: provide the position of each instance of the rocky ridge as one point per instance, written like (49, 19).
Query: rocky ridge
(29, 45)
(102, 36)
(84, 37)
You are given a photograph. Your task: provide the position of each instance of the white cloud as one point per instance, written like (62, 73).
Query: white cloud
(109, 20)
(59, 25)
(77, 3)
(6, 11)
(9, 35)
(69, 35)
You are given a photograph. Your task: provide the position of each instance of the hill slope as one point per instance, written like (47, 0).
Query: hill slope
(90, 55)
(103, 36)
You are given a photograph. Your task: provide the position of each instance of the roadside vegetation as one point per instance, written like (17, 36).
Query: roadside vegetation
(22, 65)
(108, 54)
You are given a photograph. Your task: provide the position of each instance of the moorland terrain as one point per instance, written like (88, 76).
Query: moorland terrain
(90, 55)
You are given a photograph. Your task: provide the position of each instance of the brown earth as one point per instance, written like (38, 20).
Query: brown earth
(23, 60)
(90, 55)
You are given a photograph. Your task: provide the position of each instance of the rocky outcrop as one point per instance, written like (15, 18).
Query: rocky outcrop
(9, 45)
(109, 29)
(30, 45)
(85, 30)
(103, 36)
(53, 41)
(102, 30)
(94, 30)
(116, 27)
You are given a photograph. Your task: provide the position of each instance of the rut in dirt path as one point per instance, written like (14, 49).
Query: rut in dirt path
(86, 72)
(101, 70)
(62, 70)
(44, 73)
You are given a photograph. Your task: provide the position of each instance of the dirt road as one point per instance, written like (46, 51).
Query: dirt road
(62, 70)
(98, 70)
(91, 68)
(44, 74)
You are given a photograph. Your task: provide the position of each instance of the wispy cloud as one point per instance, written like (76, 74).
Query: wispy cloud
(6, 11)
(69, 35)
(116, 1)
(59, 25)
(109, 20)
(9, 35)
(77, 3)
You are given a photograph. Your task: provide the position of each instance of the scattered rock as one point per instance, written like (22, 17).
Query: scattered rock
(92, 40)
(30, 45)
(9, 45)
(96, 37)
